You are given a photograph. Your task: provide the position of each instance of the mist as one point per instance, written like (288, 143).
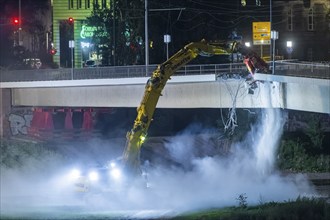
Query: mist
(210, 181)
(217, 181)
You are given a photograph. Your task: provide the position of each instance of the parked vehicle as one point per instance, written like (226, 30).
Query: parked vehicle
(90, 63)
(33, 63)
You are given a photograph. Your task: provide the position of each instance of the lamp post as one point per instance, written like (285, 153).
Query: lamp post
(273, 37)
(71, 46)
(146, 34)
(167, 40)
(271, 27)
(20, 23)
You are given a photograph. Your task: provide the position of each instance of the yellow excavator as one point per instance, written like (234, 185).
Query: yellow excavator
(156, 83)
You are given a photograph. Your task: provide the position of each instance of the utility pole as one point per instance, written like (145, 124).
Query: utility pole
(19, 23)
(113, 33)
(146, 31)
(271, 41)
(146, 34)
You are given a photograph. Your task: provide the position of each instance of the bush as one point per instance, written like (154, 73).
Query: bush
(302, 209)
(28, 156)
(292, 156)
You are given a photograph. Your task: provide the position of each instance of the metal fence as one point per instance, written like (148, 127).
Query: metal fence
(111, 72)
(281, 68)
(304, 69)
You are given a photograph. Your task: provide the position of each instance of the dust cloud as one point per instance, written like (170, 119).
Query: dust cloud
(216, 181)
(202, 182)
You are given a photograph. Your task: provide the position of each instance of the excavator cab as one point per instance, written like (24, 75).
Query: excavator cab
(255, 64)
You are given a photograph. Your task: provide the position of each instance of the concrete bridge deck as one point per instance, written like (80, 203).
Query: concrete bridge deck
(195, 86)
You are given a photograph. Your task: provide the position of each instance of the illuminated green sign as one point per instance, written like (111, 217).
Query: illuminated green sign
(87, 31)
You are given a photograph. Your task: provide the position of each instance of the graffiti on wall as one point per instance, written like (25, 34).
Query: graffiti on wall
(19, 124)
(38, 122)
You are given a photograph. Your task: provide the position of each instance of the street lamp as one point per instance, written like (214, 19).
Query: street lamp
(289, 48)
(247, 44)
(289, 44)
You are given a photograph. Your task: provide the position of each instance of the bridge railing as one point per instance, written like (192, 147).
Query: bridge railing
(305, 69)
(281, 68)
(112, 72)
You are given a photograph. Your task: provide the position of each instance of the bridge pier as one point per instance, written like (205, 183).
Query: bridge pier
(5, 100)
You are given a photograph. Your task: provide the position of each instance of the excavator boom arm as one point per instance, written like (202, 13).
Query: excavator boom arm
(154, 88)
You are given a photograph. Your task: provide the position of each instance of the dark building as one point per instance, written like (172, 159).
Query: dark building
(306, 23)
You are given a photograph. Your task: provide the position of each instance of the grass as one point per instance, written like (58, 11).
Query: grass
(301, 209)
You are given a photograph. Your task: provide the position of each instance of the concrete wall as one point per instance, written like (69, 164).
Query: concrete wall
(5, 107)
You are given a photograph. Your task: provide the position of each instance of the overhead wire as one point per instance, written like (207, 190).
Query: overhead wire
(214, 14)
(217, 14)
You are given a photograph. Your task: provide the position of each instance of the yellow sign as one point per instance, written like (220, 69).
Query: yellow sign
(261, 33)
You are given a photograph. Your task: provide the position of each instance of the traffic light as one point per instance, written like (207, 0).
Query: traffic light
(70, 20)
(15, 21)
(53, 51)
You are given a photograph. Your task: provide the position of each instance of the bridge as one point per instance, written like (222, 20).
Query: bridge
(297, 86)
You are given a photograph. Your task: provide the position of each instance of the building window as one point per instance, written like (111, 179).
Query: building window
(96, 4)
(78, 4)
(310, 19)
(104, 3)
(289, 25)
(87, 4)
(70, 4)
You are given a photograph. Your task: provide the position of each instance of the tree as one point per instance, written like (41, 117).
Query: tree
(314, 131)
(118, 34)
(33, 25)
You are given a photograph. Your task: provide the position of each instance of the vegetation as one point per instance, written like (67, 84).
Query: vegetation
(304, 150)
(11, 53)
(28, 155)
(242, 200)
(302, 208)
(119, 30)
(293, 156)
